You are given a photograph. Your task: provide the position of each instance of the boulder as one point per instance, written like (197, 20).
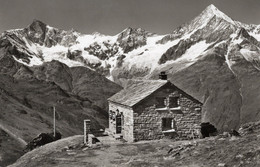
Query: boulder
(207, 129)
(43, 139)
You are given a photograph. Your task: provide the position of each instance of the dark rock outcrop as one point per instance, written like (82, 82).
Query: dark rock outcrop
(132, 38)
(42, 139)
(207, 129)
(176, 51)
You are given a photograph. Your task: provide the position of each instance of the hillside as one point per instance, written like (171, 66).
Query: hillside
(8, 153)
(214, 151)
(28, 94)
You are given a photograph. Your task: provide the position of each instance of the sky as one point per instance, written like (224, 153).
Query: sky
(112, 16)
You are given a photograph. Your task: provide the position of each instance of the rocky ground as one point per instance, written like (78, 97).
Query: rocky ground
(221, 150)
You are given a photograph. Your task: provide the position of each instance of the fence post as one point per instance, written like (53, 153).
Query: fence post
(54, 122)
(86, 130)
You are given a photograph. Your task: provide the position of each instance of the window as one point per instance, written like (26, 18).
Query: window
(110, 114)
(118, 123)
(160, 102)
(168, 123)
(122, 121)
(173, 102)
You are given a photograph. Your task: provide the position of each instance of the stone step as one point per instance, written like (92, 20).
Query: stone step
(118, 136)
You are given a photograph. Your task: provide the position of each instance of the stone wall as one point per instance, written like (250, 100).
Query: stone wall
(148, 118)
(128, 123)
(189, 124)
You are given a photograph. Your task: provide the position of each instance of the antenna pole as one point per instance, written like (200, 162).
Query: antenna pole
(54, 123)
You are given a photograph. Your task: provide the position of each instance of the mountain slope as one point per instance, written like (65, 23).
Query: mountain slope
(28, 94)
(34, 90)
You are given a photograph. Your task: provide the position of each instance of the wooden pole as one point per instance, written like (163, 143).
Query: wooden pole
(54, 123)
(86, 130)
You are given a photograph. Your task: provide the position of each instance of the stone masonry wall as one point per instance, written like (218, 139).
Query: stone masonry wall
(188, 126)
(128, 123)
(148, 119)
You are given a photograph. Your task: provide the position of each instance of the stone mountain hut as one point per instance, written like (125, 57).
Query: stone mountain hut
(153, 109)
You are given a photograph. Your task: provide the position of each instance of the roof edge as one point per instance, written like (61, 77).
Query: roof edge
(120, 104)
(166, 81)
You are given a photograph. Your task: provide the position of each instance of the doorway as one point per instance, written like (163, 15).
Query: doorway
(118, 123)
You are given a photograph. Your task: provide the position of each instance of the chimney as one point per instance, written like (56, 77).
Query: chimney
(163, 76)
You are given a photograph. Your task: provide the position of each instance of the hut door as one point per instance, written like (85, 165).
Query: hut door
(118, 123)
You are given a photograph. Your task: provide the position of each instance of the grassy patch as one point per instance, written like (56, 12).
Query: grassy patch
(87, 153)
(146, 148)
(140, 163)
(119, 161)
(129, 150)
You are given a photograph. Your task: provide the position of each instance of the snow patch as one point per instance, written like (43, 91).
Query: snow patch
(237, 41)
(58, 52)
(255, 35)
(32, 47)
(148, 55)
(250, 55)
(195, 51)
(229, 62)
(34, 61)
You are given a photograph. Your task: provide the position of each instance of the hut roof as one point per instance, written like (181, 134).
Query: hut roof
(137, 91)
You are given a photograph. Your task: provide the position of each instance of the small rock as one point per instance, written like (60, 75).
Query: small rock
(176, 154)
(222, 165)
(195, 153)
(225, 134)
(66, 148)
(233, 138)
(84, 149)
(234, 133)
(71, 153)
(239, 156)
(170, 151)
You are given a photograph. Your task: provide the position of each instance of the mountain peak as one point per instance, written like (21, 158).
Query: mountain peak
(212, 10)
(212, 7)
(136, 31)
(131, 29)
(37, 22)
(37, 26)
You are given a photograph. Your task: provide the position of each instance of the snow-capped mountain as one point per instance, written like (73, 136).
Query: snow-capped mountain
(133, 49)
(213, 57)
